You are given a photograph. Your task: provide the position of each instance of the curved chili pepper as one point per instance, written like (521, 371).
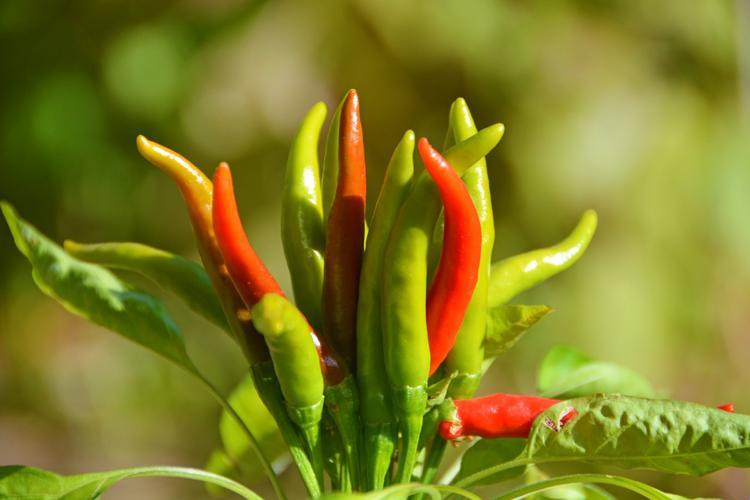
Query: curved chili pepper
(467, 355)
(345, 235)
(406, 347)
(456, 276)
(495, 416)
(302, 232)
(250, 276)
(516, 274)
(296, 363)
(377, 415)
(197, 192)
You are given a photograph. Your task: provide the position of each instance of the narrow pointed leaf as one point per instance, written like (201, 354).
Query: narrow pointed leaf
(487, 452)
(94, 293)
(507, 323)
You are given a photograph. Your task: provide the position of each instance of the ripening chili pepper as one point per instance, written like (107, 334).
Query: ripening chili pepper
(250, 276)
(302, 230)
(495, 416)
(467, 355)
(377, 415)
(197, 192)
(516, 274)
(456, 276)
(728, 407)
(296, 364)
(330, 172)
(345, 235)
(406, 347)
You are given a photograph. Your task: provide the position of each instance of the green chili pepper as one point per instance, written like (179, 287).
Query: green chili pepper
(467, 354)
(302, 231)
(407, 358)
(197, 191)
(185, 278)
(516, 274)
(297, 366)
(377, 415)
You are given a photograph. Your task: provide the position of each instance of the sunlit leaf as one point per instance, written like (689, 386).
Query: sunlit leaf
(507, 323)
(488, 452)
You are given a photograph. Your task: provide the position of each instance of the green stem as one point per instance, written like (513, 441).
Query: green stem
(270, 393)
(266, 464)
(379, 443)
(188, 473)
(343, 405)
(433, 459)
(642, 489)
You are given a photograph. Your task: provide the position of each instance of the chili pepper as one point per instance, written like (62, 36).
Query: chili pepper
(197, 192)
(516, 274)
(728, 407)
(456, 276)
(330, 173)
(302, 217)
(295, 361)
(495, 416)
(345, 235)
(406, 348)
(467, 355)
(377, 415)
(248, 273)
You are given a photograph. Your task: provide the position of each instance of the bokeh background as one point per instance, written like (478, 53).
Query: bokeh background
(636, 108)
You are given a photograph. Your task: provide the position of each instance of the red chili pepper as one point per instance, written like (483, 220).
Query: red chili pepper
(345, 235)
(250, 276)
(457, 272)
(727, 407)
(497, 416)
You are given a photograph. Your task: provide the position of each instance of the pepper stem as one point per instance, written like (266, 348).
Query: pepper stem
(410, 404)
(343, 405)
(379, 444)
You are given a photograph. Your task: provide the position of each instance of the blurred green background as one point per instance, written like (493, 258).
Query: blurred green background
(631, 107)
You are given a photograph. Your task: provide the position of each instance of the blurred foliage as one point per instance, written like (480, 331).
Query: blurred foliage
(631, 107)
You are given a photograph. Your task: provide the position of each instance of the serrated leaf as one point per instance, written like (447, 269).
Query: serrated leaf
(94, 293)
(183, 277)
(629, 432)
(566, 373)
(237, 459)
(507, 323)
(29, 483)
(488, 452)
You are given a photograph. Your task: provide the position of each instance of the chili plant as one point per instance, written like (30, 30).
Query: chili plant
(366, 376)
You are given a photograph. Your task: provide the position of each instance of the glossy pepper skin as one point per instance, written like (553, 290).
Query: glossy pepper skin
(250, 276)
(302, 232)
(345, 235)
(516, 274)
(495, 416)
(467, 355)
(377, 415)
(453, 286)
(406, 345)
(197, 191)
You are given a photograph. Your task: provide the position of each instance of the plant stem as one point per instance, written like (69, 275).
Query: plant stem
(433, 459)
(643, 489)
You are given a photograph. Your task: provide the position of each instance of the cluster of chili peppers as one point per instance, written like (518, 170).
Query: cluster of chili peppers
(381, 311)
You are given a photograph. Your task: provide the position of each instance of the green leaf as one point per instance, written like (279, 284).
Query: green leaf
(98, 295)
(550, 485)
(185, 278)
(407, 490)
(487, 452)
(28, 483)
(567, 373)
(663, 435)
(507, 323)
(237, 459)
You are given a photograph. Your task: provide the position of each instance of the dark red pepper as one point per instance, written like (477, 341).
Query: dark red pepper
(456, 276)
(250, 276)
(345, 235)
(496, 416)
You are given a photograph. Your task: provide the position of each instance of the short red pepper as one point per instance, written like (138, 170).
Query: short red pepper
(345, 235)
(250, 276)
(495, 416)
(456, 276)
